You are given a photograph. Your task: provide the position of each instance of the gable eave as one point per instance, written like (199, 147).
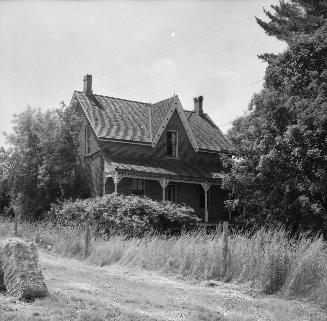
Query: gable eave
(176, 105)
(85, 113)
(76, 101)
(215, 151)
(124, 141)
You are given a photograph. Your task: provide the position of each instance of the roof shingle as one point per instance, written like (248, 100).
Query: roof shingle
(207, 134)
(122, 119)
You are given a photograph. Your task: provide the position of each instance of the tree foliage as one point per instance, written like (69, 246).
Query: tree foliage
(42, 165)
(4, 186)
(291, 18)
(280, 169)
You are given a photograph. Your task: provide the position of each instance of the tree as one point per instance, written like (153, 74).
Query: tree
(4, 184)
(43, 164)
(281, 170)
(291, 18)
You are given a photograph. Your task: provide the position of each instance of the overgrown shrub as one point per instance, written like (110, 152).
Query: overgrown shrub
(131, 215)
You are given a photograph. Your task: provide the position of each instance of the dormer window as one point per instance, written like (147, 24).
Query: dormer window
(172, 143)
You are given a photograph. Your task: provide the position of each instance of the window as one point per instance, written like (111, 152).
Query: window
(138, 186)
(172, 143)
(172, 192)
(87, 140)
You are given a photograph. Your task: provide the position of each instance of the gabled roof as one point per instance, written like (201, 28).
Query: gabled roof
(207, 134)
(133, 121)
(158, 112)
(175, 106)
(116, 118)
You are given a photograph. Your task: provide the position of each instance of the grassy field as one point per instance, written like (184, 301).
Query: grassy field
(85, 292)
(266, 262)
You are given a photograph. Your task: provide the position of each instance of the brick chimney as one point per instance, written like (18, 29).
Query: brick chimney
(87, 85)
(198, 105)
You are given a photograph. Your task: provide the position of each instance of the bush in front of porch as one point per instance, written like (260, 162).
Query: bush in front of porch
(129, 214)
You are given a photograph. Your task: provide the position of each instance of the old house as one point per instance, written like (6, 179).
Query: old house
(159, 150)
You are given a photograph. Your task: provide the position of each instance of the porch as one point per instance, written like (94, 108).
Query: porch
(192, 184)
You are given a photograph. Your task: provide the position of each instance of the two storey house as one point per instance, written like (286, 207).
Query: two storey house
(157, 149)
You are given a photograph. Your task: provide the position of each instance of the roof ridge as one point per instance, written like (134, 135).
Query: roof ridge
(194, 112)
(160, 101)
(133, 101)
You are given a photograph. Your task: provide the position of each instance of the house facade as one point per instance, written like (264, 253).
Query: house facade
(158, 150)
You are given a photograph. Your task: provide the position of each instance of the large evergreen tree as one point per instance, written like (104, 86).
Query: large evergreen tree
(280, 174)
(291, 18)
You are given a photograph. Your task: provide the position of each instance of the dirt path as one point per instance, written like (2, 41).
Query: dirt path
(81, 291)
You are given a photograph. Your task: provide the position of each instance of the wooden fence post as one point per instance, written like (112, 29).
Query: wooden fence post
(225, 248)
(230, 215)
(87, 237)
(16, 224)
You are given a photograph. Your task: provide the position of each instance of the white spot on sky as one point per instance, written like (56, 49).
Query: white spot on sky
(172, 34)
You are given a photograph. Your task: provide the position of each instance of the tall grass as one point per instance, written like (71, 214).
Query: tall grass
(269, 259)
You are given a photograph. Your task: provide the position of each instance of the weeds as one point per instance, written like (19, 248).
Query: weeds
(269, 260)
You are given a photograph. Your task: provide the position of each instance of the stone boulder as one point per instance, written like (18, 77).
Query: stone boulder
(21, 272)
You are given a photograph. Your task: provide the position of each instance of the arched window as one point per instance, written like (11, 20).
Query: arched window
(172, 143)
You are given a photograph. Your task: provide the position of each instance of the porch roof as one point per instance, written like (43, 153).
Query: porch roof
(170, 169)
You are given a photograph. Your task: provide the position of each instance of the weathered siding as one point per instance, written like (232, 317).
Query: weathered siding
(126, 150)
(81, 136)
(97, 174)
(82, 142)
(94, 174)
(93, 166)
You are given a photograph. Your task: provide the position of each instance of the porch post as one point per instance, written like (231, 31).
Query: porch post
(163, 182)
(206, 187)
(105, 177)
(117, 178)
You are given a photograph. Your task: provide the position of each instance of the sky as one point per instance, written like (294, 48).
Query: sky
(138, 50)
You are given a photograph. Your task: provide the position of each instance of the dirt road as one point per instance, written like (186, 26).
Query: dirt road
(81, 291)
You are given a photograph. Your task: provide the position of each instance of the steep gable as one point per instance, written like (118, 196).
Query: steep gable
(159, 111)
(176, 107)
(185, 148)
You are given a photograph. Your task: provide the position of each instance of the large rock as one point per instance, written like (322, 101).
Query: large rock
(22, 275)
